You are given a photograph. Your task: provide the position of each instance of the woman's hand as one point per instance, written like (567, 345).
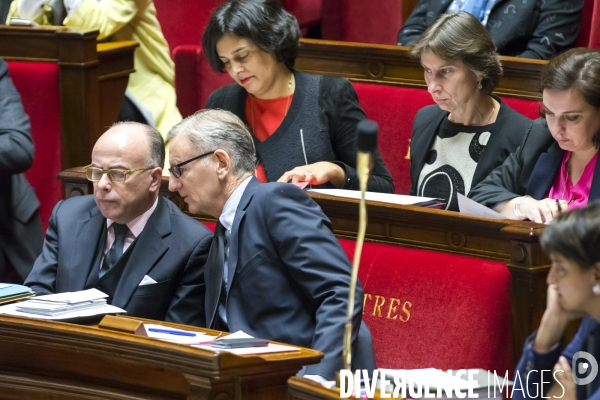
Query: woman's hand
(316, 174)
(554, 322)
(542, 211)
(563, 375)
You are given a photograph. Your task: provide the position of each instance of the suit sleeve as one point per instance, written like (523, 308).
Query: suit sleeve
(42, 278)
(16, 145)
(339, 102)
(320, 267)
(415, 25)
(187, 306)
(107, 16)
(556, 30)
(504, 182)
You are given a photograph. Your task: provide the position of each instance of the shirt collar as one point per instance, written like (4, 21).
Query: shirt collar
(231, 205)
(136, 225)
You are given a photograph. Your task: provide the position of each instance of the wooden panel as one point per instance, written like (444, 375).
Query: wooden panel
(514, 242)
(50, 360)
(93, 79)
(392, 65)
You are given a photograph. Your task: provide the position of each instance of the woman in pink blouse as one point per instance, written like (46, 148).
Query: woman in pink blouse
(555, 168)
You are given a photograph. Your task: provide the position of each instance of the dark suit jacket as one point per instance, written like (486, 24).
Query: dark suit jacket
(530, 170)
(21, 233)
(288, 275)
(507, 134)
(171, 249)
(520, 28)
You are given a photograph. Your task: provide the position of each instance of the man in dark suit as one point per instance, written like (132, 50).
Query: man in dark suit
(126, 240)
(21, 233)
(282, 274)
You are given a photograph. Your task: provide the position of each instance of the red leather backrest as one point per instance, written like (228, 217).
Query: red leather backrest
(38, 84)
(432, 309)
(183, 21)
(394, 109)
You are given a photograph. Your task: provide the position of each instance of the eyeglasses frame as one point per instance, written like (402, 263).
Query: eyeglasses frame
(177, 167)
(125, 172)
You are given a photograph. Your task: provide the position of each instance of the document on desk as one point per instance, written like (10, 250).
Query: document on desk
(381, 197)
(468, 206)
(174, 335)
(271, 348)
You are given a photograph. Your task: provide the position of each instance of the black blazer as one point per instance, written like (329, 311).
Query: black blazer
(172, 250)
(288, 275)
(530, 170)
(530, 29)
(21, 233)
(333, 116)
(507, 134)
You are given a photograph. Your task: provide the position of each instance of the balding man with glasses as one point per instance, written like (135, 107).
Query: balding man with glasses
(125, 239)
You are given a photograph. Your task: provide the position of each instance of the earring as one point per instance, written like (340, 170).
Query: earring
(479, 86)
(596, 289)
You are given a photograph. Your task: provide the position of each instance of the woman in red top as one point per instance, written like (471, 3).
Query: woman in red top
(304, 125)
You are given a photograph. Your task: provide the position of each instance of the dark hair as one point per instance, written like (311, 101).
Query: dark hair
(577, 69)
(156, 144)
(461, 37)
(265, 22)
(575, 235)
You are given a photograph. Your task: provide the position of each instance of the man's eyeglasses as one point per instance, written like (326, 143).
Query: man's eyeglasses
(115, 175)
(176, 170)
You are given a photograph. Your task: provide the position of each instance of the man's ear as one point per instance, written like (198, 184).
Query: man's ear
(156, 179)
(224, 163)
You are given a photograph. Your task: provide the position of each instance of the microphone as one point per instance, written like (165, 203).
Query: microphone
(366, 142)
(367, 131)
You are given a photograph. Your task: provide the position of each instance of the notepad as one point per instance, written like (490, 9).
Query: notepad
(10, 292)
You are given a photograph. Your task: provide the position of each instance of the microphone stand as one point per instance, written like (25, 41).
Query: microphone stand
(367, 142)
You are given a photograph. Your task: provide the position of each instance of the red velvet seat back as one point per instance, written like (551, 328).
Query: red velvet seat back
(362, 21)
(183, 21)
(432, 309)
(38, 84)
(394, 109)
(589, 28)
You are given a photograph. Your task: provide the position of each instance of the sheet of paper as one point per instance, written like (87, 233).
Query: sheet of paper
(72, 297)
(106, 309)
(468, 206)
(372, 196)
(271, 348)
(5, 285)
(198, 337)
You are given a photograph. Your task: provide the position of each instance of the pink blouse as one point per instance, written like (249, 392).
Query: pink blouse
(563, 189)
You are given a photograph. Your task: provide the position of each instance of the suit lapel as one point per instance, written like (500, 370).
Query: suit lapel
(147, 251)
(595, 188)
(234, 238)
(89, 242)
(544, 172)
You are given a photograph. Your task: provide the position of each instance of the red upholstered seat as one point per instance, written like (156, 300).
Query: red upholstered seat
(431, 309)
(589, 29)
(39, 88)
(362, 21)
(194, 79)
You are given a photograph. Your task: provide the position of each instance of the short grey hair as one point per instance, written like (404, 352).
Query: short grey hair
(461, 37)
(209, 130)
(156, 144)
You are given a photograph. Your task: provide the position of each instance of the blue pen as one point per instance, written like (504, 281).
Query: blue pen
(170, 332)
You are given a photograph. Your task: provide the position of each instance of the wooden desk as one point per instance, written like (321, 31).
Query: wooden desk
(304, 389)
(93, 79)
(52, 360)
(514, 242)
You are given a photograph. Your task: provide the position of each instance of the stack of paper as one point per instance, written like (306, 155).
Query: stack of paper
(382, 197)
(62, 306)
(10, 292)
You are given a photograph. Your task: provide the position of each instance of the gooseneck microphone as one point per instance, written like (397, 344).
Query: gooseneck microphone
(366, 143)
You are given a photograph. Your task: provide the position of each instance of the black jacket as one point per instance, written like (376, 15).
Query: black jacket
(519, 28)
(530, 170)
(507, 133)
(327, 110)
